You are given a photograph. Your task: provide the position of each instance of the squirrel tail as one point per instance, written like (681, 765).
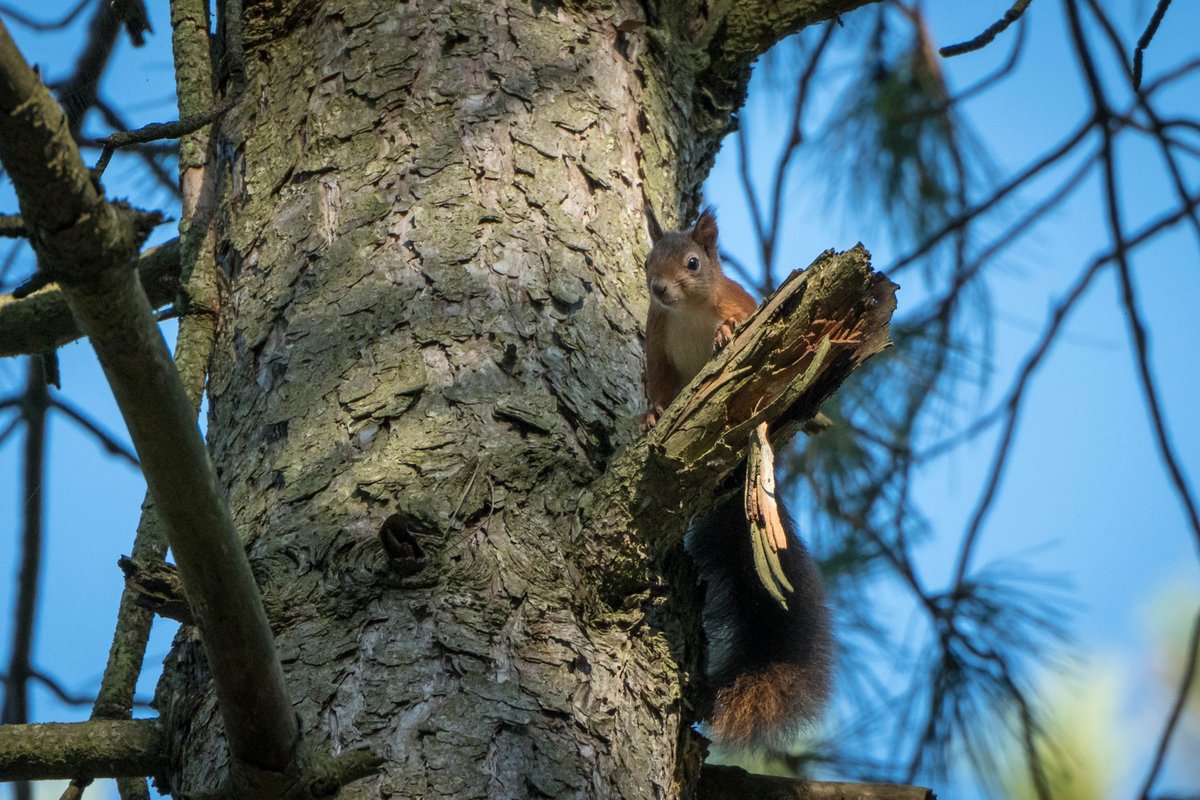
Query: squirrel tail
(769, 669)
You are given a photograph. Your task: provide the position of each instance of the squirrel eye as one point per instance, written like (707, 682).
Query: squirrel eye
(693, 263)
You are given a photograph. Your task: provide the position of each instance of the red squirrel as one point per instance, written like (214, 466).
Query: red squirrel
(768, 668)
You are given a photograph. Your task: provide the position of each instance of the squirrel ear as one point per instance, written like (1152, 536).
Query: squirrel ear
(655, 229)
(704, 233)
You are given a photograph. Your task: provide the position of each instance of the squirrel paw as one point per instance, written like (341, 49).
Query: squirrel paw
(724, 333)
(650, 417)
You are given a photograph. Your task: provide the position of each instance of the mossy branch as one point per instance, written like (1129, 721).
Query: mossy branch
(95, 749)
(42, 321)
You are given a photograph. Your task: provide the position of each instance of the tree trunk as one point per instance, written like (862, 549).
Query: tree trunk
(432, 219)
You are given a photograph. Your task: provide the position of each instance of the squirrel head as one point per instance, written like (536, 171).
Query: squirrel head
(683, 267)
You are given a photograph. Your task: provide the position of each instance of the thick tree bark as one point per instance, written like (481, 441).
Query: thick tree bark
(433, 226)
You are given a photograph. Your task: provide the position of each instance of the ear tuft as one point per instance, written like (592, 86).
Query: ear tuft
(704, 232)
(652, 225)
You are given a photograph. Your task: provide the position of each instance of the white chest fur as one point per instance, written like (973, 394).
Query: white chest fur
(689, 341)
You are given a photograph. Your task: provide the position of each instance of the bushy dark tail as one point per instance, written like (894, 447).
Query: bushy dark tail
(769, 669)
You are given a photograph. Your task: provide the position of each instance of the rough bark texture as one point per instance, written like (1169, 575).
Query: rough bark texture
(82, 749)
(433, 229)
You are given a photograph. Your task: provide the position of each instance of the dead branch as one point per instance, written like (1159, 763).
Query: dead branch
(981, 41)
(790, 356)
(157, 587)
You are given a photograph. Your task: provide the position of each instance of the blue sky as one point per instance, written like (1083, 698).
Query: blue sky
(1084, 496)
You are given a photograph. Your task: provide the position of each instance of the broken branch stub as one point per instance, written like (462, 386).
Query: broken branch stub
(790, 356)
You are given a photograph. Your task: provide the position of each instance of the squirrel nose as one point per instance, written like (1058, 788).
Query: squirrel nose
(658, 287)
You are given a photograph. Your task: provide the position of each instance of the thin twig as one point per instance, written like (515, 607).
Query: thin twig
(115, 121)
(12, 227)
(63, 694)
(984, 39)
(156, 131)
(981, 85)
(20, 660)
(1144, 41)
(1047, 160)
(756, 216)
(1024, 225)
(1157, 130)
(11, 427)
(78, 93)
(1012, 408)
(21, 18)
(106, 440)
(1185, 688)
(1137, 330)
(768, 244)
(1128, 297)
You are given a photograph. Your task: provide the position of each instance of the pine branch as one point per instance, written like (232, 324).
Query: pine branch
(42, 321)
(95, 749)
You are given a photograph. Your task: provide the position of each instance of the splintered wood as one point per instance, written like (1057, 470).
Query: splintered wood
(767, 533)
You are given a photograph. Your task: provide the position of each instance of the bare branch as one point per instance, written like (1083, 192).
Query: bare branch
(20, 668)
(12, 227)
(21, 18)
(89, 252)
(192, 47)
(79, 91)
(1128, 298)
(1144, 40)
(64, 695)
(1144, 101)
(42, 321)
(1048, 159)
(150, 159)
(106, 439)
(160, 130)
(1185, 688)
(1143, 235)
(995, 29)
(787, 156)
(95, 749)
(1012, 409)
(10, 428)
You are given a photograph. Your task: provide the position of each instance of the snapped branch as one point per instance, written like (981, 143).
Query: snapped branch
(790, 356)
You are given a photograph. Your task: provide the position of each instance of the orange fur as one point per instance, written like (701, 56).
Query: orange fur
(768, 706)
(693, 311)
